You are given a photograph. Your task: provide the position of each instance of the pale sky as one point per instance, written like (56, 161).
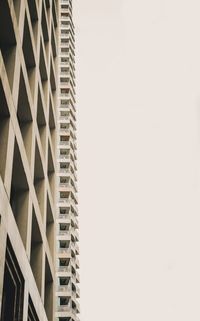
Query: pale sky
(138, 94)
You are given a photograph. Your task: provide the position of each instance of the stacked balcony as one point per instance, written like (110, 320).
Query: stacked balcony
(68, 291)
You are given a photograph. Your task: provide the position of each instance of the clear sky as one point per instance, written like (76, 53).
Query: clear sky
(138, 94)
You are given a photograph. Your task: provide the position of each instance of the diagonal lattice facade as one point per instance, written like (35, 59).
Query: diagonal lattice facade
(28, 107)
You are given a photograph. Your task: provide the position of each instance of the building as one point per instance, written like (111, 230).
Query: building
(28, 50)
(67, 222)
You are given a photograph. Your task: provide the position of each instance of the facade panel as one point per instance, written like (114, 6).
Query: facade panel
(28, 90)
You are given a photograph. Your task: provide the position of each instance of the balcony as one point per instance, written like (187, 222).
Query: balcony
(74, 211)
(64, 269)
(72, 247)
(74, 207)
(75, 222)
(77, 248)
(64, 157)
(73, 263)
(66, 185)
(64, 170)
(67, 142)
(64, 216)
(69, 202)
(74, 232)
(64, 254)
(64, 131)
(65, 73)
(64, 200)
(69, 313)
(63, 117)
(70, 117)
(77, 263)
(64, 142)
(64, 308)
(64, 288)
(75, 197)
(77, 292)
(61, 233)
(66, 95)
(77, 277)
(67, 10)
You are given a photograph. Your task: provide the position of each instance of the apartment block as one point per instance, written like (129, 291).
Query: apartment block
(28, 122)
(67, 221)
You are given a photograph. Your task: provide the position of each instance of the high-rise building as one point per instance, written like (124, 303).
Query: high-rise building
(28, 81)
(67, 222)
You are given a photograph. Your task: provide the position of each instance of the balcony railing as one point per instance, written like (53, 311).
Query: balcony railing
(77, 277)
(77, 248)
(64, 142)
(66, 252)
(75, 221)
(64, 156)
(77, 292)
(64, 308)
(77, 263)
(64, 288)
(63, 117)
(64, 233)
(64, 269)
(65, 131)
(67, 185)
(64, 216)
(64, 200)
(64, 170)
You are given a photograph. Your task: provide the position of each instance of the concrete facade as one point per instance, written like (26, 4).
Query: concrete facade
(28, 102)
(67, 220)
